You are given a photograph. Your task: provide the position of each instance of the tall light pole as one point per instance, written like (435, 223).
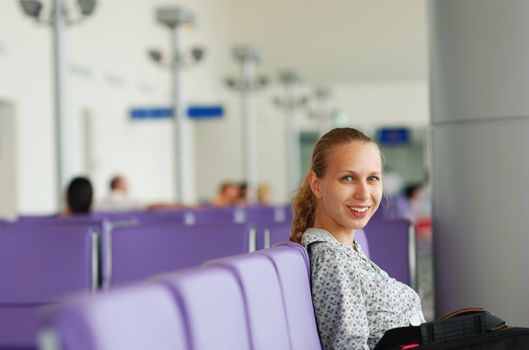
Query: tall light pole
(174, 18)
(321, 112)
(58, 18)
(247, 84)
(290, 102)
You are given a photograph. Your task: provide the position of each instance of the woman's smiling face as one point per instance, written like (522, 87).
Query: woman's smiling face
(350, 191)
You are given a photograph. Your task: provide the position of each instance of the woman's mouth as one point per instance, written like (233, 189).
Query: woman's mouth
(357, 211)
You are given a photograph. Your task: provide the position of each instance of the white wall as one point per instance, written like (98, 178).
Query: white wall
(108, 73)
(7, 162)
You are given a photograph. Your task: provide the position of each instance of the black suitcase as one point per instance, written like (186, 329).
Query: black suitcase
(467, 329)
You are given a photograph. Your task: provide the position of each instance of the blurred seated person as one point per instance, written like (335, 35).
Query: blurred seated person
(79, 195)
(246, 196)
(227, 195)
(243, 194)
(414, 193)
(263, 194)
(119, 199)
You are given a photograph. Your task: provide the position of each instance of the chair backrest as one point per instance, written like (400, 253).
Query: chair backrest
(270, 233)
(212, 304)
(139, 317)
(361, 239)
(162, 217)
(39, 265)
(135, 253)
(52, 260)
(271, 214)
(219, 215)
(301, 251)
(57, 220)
(294, 280)
(392, 247)
(263, 299)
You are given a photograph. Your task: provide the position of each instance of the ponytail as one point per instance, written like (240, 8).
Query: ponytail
(304, 210)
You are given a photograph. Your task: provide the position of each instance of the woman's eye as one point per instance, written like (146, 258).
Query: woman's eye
(373, 178)
(347, 178)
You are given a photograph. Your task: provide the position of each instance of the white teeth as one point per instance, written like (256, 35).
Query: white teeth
(358, 210)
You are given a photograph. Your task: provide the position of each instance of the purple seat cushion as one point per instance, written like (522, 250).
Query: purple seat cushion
(389, 247)
(140, 317)
(213, 306)
(295, 285)
(40, 267)
(18, 327)
(263, 299)
(140, 252)
(274, 232)
(300, 249)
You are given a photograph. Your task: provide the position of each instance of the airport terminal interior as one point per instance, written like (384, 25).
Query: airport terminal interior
(189, 127)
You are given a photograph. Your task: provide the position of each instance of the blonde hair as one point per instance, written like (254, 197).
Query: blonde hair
(304, 202)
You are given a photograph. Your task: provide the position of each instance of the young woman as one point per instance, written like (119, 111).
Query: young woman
(354, 300)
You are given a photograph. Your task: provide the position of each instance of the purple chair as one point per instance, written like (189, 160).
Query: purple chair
(269, 233)
(301, 250)
(135, 253)
(272, 214)
(392, 247)
(139, 317)
(164, 217)
(220, 215)
(38, 266)
(212, 304)
(263, 299)
(4, 222)
(290, 265)
(55, 219)
(102, 221)
(361, 239)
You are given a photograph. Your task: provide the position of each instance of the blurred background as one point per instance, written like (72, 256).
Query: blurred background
(317, 65)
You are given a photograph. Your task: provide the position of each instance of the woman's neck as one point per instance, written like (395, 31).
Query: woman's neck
(341, 234)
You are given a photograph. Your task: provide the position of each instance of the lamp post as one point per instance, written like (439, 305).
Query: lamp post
(289, 79)
(58, 18)
(321, 112)
(247, 84)
(174, 18)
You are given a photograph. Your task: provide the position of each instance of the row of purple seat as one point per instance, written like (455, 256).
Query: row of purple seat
(42, 259)
(280, 213)
(134, 253)
(256, 301)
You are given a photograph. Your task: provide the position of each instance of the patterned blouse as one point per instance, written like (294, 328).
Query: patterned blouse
(355, 301)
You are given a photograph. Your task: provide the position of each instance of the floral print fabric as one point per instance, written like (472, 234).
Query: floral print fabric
(354, 300)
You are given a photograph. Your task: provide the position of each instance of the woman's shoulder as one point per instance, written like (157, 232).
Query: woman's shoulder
(315, 239)
(330, 254)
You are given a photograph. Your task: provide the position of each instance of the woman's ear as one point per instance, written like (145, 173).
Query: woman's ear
(315, 184)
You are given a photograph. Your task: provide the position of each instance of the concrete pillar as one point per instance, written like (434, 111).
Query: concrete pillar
(480, 122)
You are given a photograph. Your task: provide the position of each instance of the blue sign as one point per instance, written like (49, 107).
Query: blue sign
(151, 113)
(193, 112)
(393, 136)
(205, 112)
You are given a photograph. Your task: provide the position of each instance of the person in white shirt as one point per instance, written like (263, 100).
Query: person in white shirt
(119, 199)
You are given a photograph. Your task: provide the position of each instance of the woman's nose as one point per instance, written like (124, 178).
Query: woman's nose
(361, 192)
